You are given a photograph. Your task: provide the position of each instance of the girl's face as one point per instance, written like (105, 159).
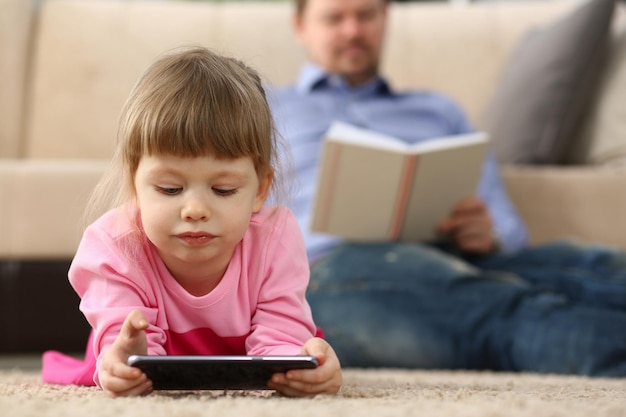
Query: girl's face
(196, 210)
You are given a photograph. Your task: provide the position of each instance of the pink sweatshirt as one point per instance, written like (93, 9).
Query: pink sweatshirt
(258, 308)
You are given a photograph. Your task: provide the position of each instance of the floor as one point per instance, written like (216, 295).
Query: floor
(21, 362)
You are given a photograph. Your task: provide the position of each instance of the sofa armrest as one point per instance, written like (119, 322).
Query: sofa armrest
(585, 203)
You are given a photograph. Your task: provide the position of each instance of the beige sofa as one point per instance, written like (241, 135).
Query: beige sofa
(67, 66)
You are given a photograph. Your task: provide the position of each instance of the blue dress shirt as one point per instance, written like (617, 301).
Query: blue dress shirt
(305, 110)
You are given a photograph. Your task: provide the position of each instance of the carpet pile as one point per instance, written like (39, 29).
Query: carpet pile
(365, 393)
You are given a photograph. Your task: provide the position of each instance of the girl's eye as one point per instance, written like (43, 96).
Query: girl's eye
(169, 190)
(223, 192)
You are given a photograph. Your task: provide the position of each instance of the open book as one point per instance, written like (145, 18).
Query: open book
(373, 187)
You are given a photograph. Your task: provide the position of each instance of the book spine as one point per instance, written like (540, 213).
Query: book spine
(406, 182)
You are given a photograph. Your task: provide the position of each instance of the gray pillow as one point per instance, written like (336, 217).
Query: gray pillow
(548, 82)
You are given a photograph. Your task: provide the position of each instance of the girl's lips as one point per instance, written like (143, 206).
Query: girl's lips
(195, 238)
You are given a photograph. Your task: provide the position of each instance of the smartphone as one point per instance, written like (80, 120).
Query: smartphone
(202, 372)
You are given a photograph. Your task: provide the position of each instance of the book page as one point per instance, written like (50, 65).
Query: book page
(349, 134)
(448, 142)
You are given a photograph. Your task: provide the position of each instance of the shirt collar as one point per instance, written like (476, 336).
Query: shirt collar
(313, 77)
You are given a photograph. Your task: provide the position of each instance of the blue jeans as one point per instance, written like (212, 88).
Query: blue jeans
(558, 308)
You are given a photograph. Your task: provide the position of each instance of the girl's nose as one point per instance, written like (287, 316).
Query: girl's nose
(195, 210)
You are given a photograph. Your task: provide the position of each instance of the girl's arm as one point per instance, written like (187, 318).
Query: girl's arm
(283, 323)
(111, 286)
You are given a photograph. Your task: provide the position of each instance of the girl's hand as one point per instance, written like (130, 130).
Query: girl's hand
(325, 379)
(116, 377)
(470, 228)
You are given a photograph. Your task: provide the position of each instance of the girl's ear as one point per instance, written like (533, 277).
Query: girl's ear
(265, 184)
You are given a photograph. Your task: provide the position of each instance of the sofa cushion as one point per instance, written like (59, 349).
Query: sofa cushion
(42, 218)
(459, 51)
(603, 139)
(89, 54)
(15, 22)
(569, 202)
(546, 85)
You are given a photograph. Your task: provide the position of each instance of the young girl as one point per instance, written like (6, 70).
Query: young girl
(190, 260)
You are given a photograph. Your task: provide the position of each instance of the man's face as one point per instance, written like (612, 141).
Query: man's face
(344, 37)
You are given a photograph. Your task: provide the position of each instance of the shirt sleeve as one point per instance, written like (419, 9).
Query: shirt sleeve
(282, 321)
(509, 227)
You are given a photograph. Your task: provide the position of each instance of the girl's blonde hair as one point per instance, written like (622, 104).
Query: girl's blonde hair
(190, 102)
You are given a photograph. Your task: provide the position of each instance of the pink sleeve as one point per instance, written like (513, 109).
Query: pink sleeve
(282, 322)
(111, 285)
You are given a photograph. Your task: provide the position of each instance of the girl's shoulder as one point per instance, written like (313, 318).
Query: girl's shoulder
(273, 243)
(270, 218)
(116, 231)
(117, 222)
(273, 226)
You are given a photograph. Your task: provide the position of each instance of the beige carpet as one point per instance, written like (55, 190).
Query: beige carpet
(366, 393)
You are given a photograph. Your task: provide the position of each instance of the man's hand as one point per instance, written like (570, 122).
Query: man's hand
(116, 377)
(325, 379)
(470, 228)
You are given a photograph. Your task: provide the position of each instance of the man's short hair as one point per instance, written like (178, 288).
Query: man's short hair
(301, 4)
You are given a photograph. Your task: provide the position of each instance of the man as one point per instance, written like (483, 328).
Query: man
(479, 299)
